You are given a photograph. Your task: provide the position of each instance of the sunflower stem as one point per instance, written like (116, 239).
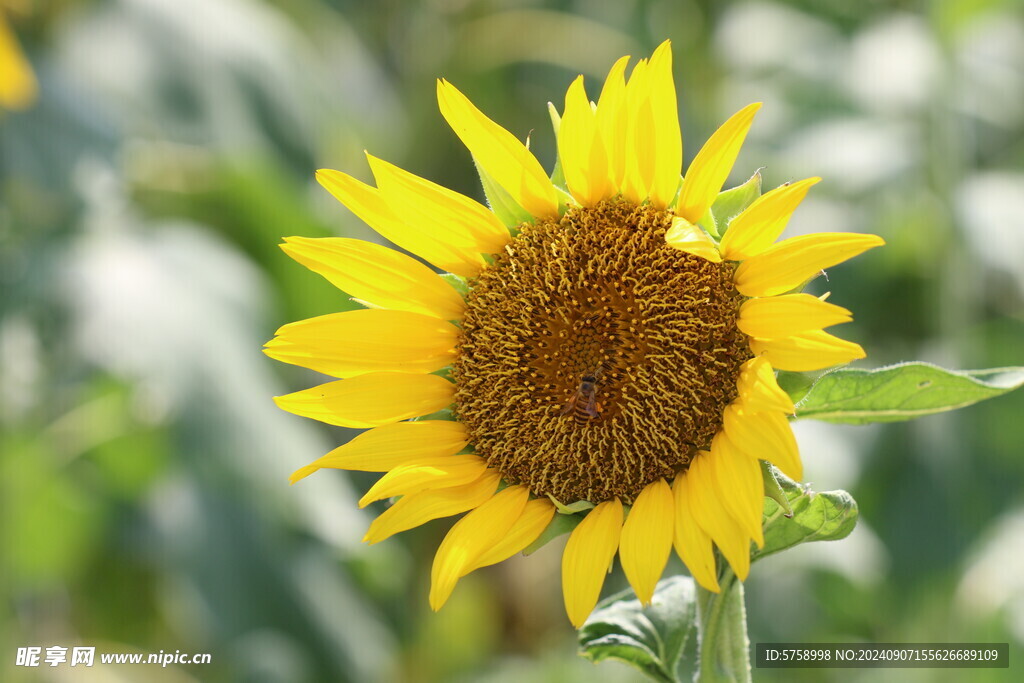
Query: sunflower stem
(722, 643)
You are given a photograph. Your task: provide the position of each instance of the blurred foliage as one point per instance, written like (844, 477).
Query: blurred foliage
(143, 468)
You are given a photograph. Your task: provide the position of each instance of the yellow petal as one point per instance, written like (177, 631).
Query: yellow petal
(647, 539)
(788, 314)
(814, 350)
(367, 203)
(740, 486)
(369, 340)
(419, 508)
(709, 511)
(471, 536)
(18, 87)
(581, 149)
(762, 222)
(792, 262)
(531, 524)
(668, 152)
(370, 400)
(378, 275)
(499, 153)
(639, 139)
(759, 389)
(766, 436)
(437, 211)
(711, 167)
(687, 237)
(692, 543)
(429, 473)
(612, 122)
(393, 445)
(588, 555)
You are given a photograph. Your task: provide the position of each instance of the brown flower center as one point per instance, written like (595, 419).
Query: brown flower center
(594, 358)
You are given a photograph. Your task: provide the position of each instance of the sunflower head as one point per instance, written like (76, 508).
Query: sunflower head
(18, 85)
(607, 354)
(594, 358)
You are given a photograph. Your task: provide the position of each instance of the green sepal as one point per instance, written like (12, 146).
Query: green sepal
(651, 639)
(732, 202)
(365, 304)
(459, 283)
(565, 199)
(557, 174)
(508, 210)
(571, 508)
(445, 372)
(445, 414)
(707, 222)
(560, 524)
(773, 490)
(902, 392)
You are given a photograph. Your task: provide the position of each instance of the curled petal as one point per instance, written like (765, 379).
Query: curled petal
(766, 436)
(687, 237)
(759, 389)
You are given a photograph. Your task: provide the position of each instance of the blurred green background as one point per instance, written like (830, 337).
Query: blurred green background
(144, 468)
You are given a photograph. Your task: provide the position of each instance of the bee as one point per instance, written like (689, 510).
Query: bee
(583, 405)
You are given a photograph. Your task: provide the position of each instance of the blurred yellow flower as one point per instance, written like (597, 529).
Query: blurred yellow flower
(608, 351)
(18, 87)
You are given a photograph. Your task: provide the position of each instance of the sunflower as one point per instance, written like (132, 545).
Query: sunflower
(18, 87)
(606, 355)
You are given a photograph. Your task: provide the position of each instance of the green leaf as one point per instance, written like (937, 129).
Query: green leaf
(902, 392)
(504, 207)
(827, 516)
(796, 384)
(560, 524)
(651, 639)
(731, 203)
